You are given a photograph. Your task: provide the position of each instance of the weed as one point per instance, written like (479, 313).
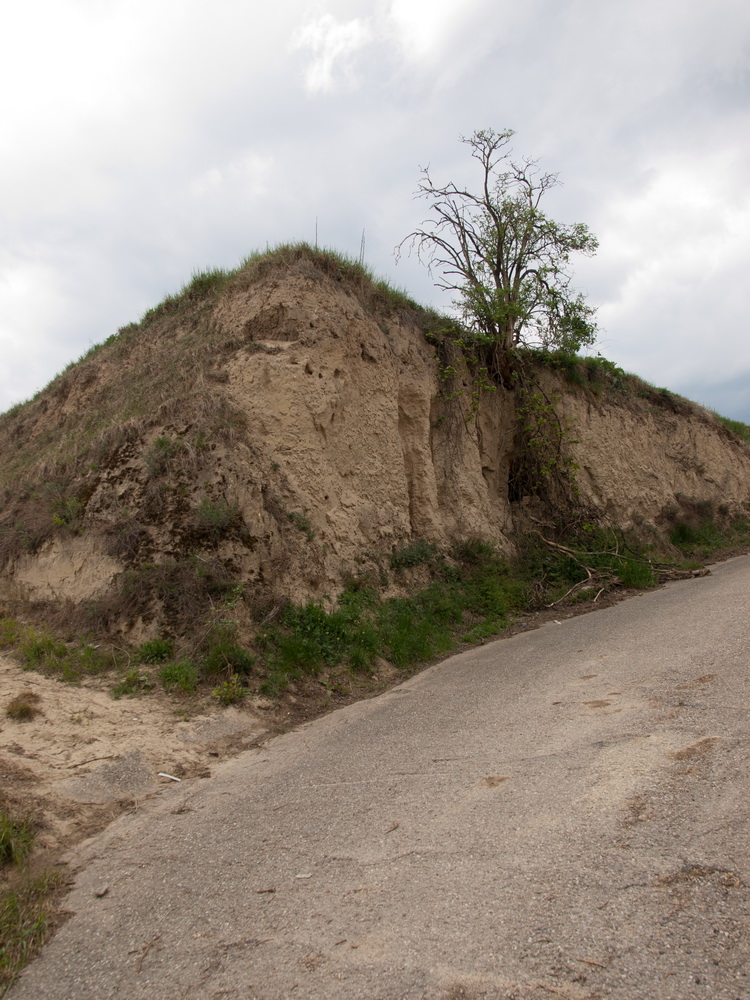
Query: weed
(16, 838)
(134, 682)
(181, 674)
(23, 708)
(416, 554)
(230, 691)
(155, 651)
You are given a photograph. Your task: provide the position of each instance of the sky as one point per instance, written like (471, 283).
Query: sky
(142, 141)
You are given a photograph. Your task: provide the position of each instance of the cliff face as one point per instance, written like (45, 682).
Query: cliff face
(316, 441)
(639, 460)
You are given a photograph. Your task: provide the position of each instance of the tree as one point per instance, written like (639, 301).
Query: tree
(507, 261)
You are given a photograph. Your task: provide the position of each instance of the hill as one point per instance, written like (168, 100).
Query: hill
(281, 433)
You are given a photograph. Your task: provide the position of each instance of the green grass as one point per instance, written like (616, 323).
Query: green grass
(737, 427)
(25, 924)
(181, 676)
(471, 597)
(41, 651)
(134, 682)
(16, 838)
(155, 650)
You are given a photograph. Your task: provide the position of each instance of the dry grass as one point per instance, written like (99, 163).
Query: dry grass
(24, 707)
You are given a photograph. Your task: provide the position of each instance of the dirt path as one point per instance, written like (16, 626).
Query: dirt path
(566, 814)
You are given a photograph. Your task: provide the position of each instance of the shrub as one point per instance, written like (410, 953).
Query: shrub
(224, 656)
(638, 574)
(158, 456)
(68, 512)
(688, 537)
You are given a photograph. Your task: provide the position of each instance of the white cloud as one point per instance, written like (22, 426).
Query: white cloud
(332, 44)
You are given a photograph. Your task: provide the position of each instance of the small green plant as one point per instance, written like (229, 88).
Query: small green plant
(417, 553)
(24, 707)
(16, 838)
(230, 691)
(134, 682)
(182, 675)
(155, 650)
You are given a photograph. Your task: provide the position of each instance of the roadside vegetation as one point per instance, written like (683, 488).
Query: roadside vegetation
(26, 898)
(449, 600)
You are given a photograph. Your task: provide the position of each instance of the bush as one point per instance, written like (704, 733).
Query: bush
(688, 537)
(224, 656)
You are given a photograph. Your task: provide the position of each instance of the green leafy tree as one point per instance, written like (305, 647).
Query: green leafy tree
(507, 261)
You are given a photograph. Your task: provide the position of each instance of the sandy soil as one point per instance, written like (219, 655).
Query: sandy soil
(86, 757)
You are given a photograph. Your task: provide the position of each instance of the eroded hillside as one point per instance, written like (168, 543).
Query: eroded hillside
(288, 428)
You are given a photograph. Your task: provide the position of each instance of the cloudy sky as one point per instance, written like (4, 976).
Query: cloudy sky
(143, 140)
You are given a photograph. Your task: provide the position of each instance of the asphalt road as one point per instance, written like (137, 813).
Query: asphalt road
(560, 814)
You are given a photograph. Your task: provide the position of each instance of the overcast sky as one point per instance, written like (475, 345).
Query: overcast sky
(142, 140)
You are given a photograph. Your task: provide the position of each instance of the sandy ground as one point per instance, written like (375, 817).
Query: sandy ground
(87, 757)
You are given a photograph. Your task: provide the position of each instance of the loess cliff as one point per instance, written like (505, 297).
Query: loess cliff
(289, 428)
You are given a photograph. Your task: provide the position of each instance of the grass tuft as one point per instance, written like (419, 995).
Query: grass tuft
(24, 707)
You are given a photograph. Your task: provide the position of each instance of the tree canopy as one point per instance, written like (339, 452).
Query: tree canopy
(508, 262)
